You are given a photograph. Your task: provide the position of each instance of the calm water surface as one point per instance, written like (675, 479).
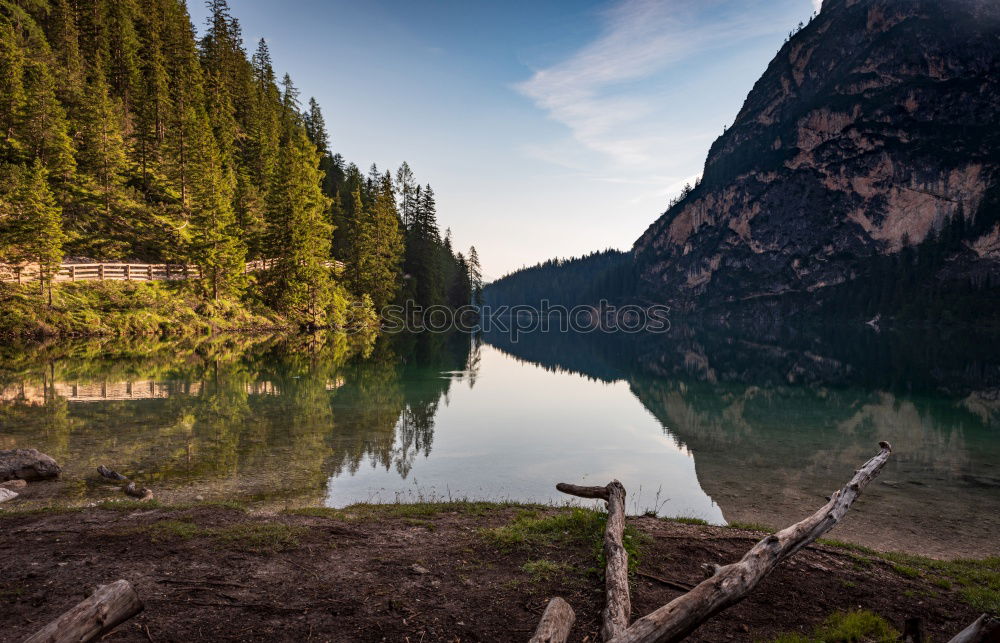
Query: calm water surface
(725, 427)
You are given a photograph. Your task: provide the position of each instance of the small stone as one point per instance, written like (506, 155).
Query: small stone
(14, 484)
(7, 494)
(417, 569)
(744, 627)
(199, 498)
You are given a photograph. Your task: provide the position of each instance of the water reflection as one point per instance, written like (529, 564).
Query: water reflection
(777, 421)
(717, 425)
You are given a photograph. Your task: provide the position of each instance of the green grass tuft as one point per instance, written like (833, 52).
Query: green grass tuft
(545, 569)
(575, 525)
(685, 520)
(858, 626)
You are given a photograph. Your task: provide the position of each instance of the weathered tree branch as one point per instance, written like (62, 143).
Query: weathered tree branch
(94, 617)
(556, 622)
(984, 629)
(618, 605)
(731, 583)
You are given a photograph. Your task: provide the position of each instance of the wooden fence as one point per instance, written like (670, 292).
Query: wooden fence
(125, 271)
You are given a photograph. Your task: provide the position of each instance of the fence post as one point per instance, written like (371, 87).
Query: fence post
(128, 272)
(149, 272)
(100, 272)
(72, 272)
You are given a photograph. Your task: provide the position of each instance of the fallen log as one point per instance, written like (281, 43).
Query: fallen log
(730, 584)
(618, 603)
(985, 629)
(105, 609)
(555, 624)
(110, 474)
(27, 464)
(142, 493)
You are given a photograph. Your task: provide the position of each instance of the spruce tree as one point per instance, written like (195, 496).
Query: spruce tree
(215, 244)
(380, 246)
(475, 276)
(300, 284)
(36, 226)
(12, 94)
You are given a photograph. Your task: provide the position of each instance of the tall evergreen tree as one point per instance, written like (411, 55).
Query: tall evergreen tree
(215, 245)
(475, 276)
(35, 229)
(301, 283)
(380, 246)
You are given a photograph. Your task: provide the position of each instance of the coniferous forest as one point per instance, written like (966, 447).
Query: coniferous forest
(126, 137)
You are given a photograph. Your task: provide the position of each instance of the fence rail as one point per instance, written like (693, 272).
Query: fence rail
(125, 271)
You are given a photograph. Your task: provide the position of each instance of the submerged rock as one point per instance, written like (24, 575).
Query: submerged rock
(27, 464)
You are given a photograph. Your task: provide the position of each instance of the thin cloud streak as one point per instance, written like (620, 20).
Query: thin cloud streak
(610, 92)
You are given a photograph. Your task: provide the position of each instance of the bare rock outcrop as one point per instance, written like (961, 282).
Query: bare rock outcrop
(27, 464)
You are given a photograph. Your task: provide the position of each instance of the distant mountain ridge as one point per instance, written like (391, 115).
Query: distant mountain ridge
(863, 172)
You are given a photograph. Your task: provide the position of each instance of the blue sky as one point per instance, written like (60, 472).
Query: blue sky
(546, 128)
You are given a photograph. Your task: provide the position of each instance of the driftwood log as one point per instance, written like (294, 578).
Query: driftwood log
(731, 583)
(130, 488)
(985, 629)
(555, 624)
(94, 617)
(618, 602)
(725, 585)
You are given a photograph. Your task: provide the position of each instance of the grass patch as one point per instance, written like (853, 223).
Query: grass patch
(256, 537)
(858, 626)
(906, 570)
(571, 526)
(376, 511)
(129, 505)
(259, 537)
(685, 520)
(545, 569)
(38, 511)
(978, 581)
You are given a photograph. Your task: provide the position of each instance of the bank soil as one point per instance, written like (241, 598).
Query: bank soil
(414, 573)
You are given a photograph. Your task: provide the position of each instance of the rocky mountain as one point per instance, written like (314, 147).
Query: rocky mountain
(862, 172)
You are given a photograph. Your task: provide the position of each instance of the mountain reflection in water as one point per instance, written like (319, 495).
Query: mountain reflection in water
(713, 425)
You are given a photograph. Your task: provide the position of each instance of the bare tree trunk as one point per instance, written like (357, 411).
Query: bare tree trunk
(618, 605)
(555, 624)
(731, 583)
(97, 615)
(984, 629)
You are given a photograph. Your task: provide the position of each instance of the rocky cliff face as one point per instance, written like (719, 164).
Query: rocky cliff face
(871, 143)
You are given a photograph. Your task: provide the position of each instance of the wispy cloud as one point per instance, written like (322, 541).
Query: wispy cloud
(618, 95)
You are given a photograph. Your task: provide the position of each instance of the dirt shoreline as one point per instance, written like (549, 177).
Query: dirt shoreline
(444, 572)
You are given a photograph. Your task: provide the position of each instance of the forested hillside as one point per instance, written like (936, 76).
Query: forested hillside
(608, 274)
(125, 136)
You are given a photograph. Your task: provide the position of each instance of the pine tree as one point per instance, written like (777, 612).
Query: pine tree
(44, 130)
(406, 192)
(301, 284)
(380, 246)
(215, 245)
(316, 128)
(101, 154)
(36, 228)
(12, 93)
(475, 277)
